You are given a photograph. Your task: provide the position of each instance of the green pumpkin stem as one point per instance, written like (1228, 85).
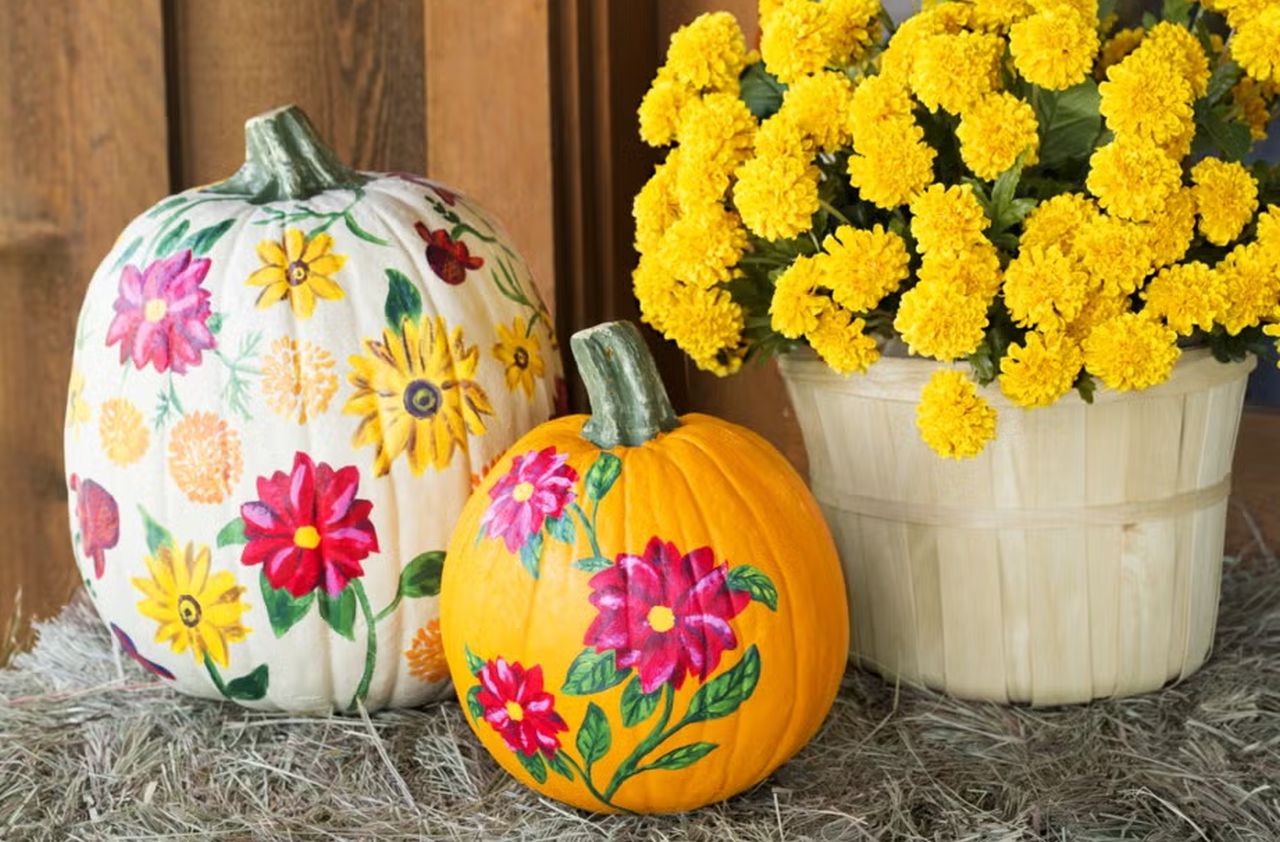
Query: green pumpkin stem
(284, 158)
(629, 404)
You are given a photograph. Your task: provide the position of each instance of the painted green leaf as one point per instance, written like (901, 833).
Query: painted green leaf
(679, 758)
(339, 611)
(355, 228)
(473, 703)
(474, 662)
(725, 693)
(637, 705)
(404, 301)
(170, 240)
(250, 687)
(232, 533)
(126, 254)
(594, 564)
(761, 91)
(284, 610)
(592, 672)
(560, 766)
(215, 323)
(533, 765)
(422, 575)
(157, 535)
(531, 554)
(594, 738)
(755, 582)
(1069, 123)
(206, 238)
(602, 474)
(561, 528)
(171, 202)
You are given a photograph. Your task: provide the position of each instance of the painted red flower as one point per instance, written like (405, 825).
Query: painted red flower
(99, 519)
(449, 259)
(162, 314)
(538, 486)
(518, 708)
(309, 529)
(130, 649)
(665, 614)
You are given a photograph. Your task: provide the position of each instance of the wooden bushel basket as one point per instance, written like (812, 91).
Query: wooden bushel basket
(1077, 557)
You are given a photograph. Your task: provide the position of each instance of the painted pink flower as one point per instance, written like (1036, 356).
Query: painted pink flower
(665, 614)
(518, 708)
(309, 529)
(538, 486)
(162, 314)
(99, 520)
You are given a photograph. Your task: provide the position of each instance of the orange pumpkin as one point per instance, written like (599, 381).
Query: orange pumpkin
(642, 613)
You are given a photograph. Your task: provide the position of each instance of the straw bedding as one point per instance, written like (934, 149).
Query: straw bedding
(94, 749)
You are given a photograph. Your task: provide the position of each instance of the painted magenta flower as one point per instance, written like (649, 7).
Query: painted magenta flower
(309, 529)
(449, 258)
(538, 486)
(99, 519)
(665, 614)
(518, 707)
(162, 314)
(298, 268)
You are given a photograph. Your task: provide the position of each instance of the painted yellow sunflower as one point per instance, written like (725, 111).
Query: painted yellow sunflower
(195, 611)
(518, 350)
(78, 411)
(416, 395)
(299, 269)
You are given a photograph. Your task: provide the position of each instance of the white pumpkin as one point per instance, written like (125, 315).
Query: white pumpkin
(285, 387)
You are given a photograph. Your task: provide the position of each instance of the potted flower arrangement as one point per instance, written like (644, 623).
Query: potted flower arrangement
(1014, 267)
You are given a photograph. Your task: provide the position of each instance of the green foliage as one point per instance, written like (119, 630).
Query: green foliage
(592, 672)
(403, 300)
(1069, 123)
(421, 577)
(284, 610)
(761, 91)
(725, 693)
(339, 611)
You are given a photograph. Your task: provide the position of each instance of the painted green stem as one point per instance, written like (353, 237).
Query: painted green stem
(217, 677)
(371, 644)
(286, 159)
(589, 526)
(586, 779)
(659, 733)
(629, 404)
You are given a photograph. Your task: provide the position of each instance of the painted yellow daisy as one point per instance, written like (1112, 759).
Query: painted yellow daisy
(518, 350)
(78, 411)
(416, 393)
(299, 269)
(195, 610)
(124, 436)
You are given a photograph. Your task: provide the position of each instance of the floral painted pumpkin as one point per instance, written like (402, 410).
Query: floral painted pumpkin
(642, 613)
(284, 386)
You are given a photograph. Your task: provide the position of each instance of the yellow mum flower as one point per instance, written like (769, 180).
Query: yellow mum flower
(800, 37)
(893, 164)
(819, 106)
(1251, 283)
(1133, 178)
(1099, 307)
(878, 100)
(1084, 8)
(794, 308)
(1131, 351)
(1226, 196)
(655, 206)
(1256, 45)
(936, 322)
(994, 131)
(842, 342)
(1116, 48)
(1045, 288)
(702, 247)
(706, 324)
(709, 53)
(1115, 252)
(520, 354)
(947, 218)
(974, 272)
(1055, 221)
(1252, 100)
(777, 195)
(953, 418)
(999, 14)
(660, 109)
(1177, 46)
(655, 289)
(1187, 296)
(1054, 48)
(300, 269)
(952, 71)
(716, 135)
(863, 266)
(195, 610)
(1170, 232)
(1145, 96)
(1268, 235)
(123, 433)
(1041, 369)
(416, 394)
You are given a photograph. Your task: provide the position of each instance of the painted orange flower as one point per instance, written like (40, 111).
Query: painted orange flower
(204, 457)
(124, 436)
(425, 655)
(478, 478)
(298, 379)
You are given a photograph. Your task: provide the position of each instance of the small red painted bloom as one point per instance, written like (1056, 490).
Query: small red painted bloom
(162, 314)
(665, 614)
(538, 486)
(309, 529)
(449, 259)
(99, 519)
(518, 707)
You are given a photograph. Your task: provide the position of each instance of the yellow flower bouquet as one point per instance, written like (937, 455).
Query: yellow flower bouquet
(1019, 189)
